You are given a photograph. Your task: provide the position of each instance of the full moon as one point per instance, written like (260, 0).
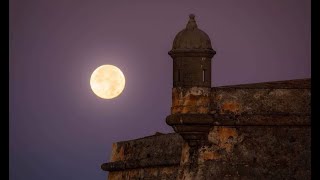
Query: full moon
(107, 81)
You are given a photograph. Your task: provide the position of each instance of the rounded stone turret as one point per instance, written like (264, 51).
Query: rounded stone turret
(191, 53)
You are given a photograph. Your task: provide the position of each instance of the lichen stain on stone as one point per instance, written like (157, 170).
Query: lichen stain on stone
(117, 154)
(115, 175)
(218, 97)
(175, 100)
(196, 101)
(203, 110)
(190, 100)
(133, 173)
(186, 110)
(199, 91)
(209, 155)
(185, 153)
(187, 175)
(167, 171)
(113, 152)
(151, 172)
(203, 101)
(258, 94)
(233, 107)
(224, 137)
(154, 172)
(190, 109)
(279, 93)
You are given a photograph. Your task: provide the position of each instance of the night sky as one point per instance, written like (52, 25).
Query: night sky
(59, 129)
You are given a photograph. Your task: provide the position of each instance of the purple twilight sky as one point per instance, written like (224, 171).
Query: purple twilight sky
(60, 130)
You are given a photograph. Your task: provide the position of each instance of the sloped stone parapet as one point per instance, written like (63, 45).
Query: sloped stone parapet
(154, 157)
(271, 98)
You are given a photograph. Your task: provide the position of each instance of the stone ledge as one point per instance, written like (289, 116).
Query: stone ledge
(262, 120)
(286, 84)
(138, 164)
(239, 120)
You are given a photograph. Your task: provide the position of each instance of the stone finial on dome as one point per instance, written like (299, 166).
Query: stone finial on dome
(191, 23)
(191, 38)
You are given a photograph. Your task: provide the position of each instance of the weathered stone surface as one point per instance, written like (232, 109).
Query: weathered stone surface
(191, 71)
(261, 120)
(263, 98)
(252, 152)
(254, 133)
(259, 131)
(153, 157)
(159, 173)
(246, 152)
(195, 100)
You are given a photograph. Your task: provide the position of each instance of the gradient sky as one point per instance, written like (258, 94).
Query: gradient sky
(60, 130)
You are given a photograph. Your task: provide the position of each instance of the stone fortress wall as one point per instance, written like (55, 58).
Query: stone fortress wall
(248, 131)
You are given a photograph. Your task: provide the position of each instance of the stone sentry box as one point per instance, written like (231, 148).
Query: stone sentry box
(251, 131)
(191, 53)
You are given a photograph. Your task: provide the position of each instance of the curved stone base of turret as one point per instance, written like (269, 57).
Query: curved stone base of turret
(193, 128)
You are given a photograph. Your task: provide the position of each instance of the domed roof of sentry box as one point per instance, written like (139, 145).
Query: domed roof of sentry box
(191, 38)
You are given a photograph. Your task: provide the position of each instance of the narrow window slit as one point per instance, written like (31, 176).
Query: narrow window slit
(203, 75)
